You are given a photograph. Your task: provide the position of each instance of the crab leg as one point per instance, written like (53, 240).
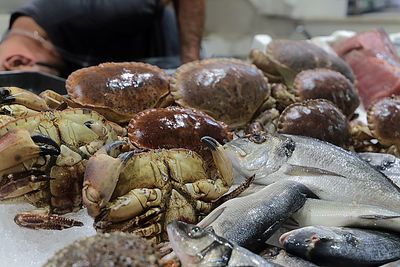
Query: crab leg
(152, 215)
(19, 187)
(15, 95)
(133, 204)
(41, 219)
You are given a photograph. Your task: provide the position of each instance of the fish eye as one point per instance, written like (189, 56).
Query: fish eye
(195, 232)
(257, 138)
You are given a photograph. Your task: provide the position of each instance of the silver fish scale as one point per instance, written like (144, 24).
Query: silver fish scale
(246, 220)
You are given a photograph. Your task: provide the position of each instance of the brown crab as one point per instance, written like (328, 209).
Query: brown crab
(175, 127)
(229, 90)
(311, 84)
(284, 59)
(115, 90)
(142, 192)
(51, 183)
(382, 133)
(318, 118)
(302, 70)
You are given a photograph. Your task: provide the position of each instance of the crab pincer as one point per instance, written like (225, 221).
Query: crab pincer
(97, 192)
(18, 146)
(15, 95)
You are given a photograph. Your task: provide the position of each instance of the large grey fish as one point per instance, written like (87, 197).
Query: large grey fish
(329, 171)
(199, 247)
(250, 220)
(335, 246)
(385, 163)
(333, 213)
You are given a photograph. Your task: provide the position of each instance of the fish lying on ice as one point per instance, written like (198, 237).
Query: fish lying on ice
(250, 220)
(198, 247)
(335, 246)
(332, 213)
(327, 170)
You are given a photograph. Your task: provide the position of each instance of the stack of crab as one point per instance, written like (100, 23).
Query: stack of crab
(126, 142)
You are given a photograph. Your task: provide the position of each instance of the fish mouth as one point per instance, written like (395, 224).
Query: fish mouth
(283, 238)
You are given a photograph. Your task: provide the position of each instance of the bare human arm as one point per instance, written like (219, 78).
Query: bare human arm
(190, 14)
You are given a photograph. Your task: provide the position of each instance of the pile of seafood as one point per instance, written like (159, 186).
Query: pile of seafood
(229, 163)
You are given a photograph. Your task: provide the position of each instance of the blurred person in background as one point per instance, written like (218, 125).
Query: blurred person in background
(60, 36)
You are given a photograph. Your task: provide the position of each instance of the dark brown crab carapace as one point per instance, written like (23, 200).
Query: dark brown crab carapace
(327, 84)
(384, 120)
(119, 90)
(175, 127)
(318, 118)
(229, 90)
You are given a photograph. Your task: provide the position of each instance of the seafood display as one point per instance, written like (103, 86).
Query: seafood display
(225, 159)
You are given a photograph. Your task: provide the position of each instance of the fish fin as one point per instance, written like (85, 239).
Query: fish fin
(291, 223)
(392, 182)
(207, 221)
(296, 170)
(378, 217)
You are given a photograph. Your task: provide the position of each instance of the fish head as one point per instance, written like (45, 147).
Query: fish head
(259, 154)
(308, 242)
(188, 241)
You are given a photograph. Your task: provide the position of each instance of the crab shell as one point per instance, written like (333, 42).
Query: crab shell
(175, 127)
(318, 118)
(289, 57)
(229, 90)
(143, 192)
(384, 120)
(119, 90)
(327, 84)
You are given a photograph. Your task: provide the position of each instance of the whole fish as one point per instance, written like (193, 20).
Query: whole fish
(250, 220)
(327, 170)
(335, 246)
(199, 247)
(385, 163)
(333, 213)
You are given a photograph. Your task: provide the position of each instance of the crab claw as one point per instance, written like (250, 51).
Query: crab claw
(17, 146)
(221, 160)
(48, 146)
(101, 176)
(15, 95)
